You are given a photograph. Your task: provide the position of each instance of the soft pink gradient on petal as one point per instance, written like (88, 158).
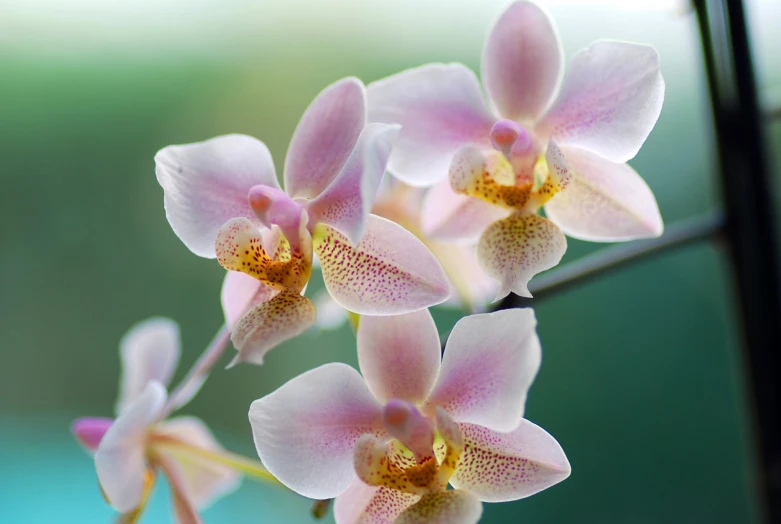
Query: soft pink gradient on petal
(453, 217)
(443, 507)
(120, 459)
(185, 509)
(240, 293)
(325, 137)
(388, 273)
(489, 364)
(604, 201)
(345, 204)
(89, 431)
(206, 183)
(522, 62)
(366, 504)
(399, 355)
(514, 249)
(499, 467)
(149, 352)
(202, 481)
(285, 316)
(610, 100)
(440, 108)
(305, 431)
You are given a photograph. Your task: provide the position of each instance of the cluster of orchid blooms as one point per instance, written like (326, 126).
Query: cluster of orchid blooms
(456, 219)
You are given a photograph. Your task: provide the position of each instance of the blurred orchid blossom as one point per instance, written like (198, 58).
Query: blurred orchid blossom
(544, 142)
(388, 443)
(130, 449)
(222, 199)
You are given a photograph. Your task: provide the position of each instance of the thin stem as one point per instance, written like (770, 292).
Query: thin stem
(193, 381)
(249, 467)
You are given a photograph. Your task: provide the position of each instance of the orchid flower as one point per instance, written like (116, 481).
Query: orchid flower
(223, 200)
(549, 140)
(130, 449)
(386, 444)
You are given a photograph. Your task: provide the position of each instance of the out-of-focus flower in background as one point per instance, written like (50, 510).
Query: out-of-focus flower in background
(130, 450)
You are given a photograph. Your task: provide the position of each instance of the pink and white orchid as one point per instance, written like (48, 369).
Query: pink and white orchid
(387, 444)
(544, 141)
(223, 200)
(130, 449)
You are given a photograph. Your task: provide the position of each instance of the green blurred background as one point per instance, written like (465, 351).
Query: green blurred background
(642, 380)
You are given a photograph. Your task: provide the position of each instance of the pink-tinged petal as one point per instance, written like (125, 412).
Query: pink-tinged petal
(185, 510)
(444, 507)
(440, 108)
(345, 204)
(388, 273)
(325, 137)
(451, 217)
(399, 355)
(120, 459)
(285, 316)
(499, 467)
(489, 364)
(305, 431)
(514, 249)
(149, 352)
(522, 62)
(206, 184)
(89, 431)
(364, 504)
(202, 481)
(240, 293)
(610, 100)
(604, 201)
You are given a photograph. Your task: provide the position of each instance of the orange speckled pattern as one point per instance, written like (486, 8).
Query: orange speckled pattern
(375, 465)
(505, 466)
(385, 505)
(472, 174)
(283, 317)
(514, 249)
(443, 507)
(239, 248)
(389, 272)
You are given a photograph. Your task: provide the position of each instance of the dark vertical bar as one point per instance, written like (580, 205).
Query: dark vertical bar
(750, 225)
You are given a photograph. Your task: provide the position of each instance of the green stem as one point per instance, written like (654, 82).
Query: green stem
(249, 467)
